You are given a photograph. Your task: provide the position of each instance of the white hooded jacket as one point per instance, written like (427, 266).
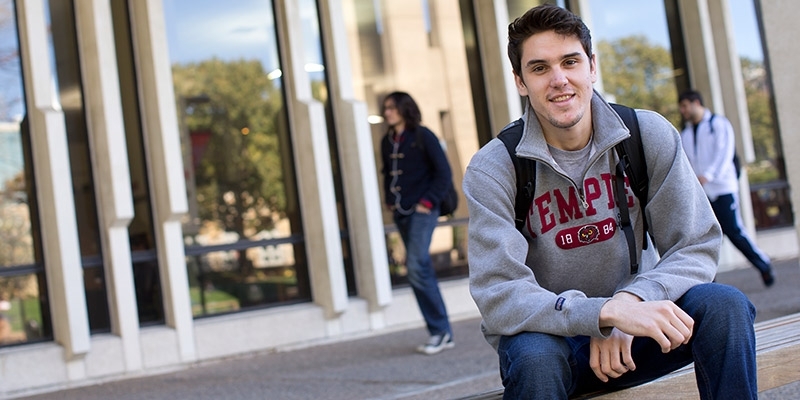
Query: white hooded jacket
(711, 154)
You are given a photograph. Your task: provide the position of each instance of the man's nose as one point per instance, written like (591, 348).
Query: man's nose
(558, 78)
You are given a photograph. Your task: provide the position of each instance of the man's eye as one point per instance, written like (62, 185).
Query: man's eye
(571, 62)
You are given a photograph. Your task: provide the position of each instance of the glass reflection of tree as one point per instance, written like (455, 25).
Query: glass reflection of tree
(639, 74)
(20, 290)
(16, 245)
(238, 170)
(766, 145)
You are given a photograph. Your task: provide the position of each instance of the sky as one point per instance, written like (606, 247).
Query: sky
(199, 29)
(748, 38)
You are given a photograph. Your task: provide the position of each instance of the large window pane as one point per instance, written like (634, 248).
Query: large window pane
(769, 189)
(23, 314)
(634, 54)
(243, 233)
(421, 47)
(141, 229)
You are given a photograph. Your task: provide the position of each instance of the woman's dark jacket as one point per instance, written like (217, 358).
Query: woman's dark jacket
(423, 172)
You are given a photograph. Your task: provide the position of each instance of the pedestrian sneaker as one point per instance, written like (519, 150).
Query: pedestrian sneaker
(768, 277)
(436, 344)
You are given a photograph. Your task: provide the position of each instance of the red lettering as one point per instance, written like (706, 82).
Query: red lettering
(546, 217)
(568, 209)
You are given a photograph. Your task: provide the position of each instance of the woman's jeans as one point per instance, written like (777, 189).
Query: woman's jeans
(416, 231)
(543, 366)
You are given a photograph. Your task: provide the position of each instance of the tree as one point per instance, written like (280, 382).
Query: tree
(639, 74)
(762, 127)
(238, 167)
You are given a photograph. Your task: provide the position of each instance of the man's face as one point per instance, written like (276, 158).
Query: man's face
(689, 110)
(556, 76)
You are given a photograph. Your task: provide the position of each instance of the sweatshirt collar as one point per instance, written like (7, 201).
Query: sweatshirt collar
(608, 131)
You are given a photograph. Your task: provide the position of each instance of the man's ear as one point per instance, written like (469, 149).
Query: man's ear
(593, 67)
(521, 88)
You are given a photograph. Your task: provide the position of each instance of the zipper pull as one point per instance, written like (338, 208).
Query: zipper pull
(583, 200)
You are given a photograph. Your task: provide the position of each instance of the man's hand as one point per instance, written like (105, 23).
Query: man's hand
(422, 209)
(610, 358)
(661, 320)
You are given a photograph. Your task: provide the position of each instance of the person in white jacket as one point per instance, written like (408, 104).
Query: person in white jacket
(709, 145)
(563, 310)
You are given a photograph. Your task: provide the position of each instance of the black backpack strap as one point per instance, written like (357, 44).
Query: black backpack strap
(634, 165)
(624, 215)
(524, 169)
(711, 123)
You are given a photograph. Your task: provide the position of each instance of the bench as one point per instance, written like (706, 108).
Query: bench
(777, 354)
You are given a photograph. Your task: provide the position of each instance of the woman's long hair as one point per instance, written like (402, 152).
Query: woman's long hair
(407, 108)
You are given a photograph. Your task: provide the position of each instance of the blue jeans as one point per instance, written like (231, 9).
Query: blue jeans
(726, 208)
(543, 366)
(416, 231)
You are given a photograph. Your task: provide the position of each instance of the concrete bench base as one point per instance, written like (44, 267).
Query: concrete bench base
(778, 357)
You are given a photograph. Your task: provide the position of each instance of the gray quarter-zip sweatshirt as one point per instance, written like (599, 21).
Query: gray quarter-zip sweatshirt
(572, 256)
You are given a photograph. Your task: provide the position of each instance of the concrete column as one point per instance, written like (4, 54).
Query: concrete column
(779, 19)
(59, 230)
(357, 162)
(110, 168)
(165, 159)
(313, 163)
(735, 106)
(699, 39)
(704, 70)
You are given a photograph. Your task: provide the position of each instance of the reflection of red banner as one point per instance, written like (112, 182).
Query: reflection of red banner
(200, 141)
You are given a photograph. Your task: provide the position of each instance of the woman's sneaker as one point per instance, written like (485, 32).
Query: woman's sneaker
(436, 344)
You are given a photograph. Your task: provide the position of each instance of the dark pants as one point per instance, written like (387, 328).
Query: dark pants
(723, 348)
(726, 209)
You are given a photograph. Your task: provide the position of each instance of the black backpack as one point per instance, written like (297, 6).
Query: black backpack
(632, 163)
(449, 203)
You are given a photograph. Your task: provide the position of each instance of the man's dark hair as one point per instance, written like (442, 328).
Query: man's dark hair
(540, 19)
(407, 108)
(691, 95)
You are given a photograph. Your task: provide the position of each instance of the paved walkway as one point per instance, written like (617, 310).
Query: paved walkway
(386, 367)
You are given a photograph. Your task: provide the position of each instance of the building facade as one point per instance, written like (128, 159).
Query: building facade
(187, 180)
